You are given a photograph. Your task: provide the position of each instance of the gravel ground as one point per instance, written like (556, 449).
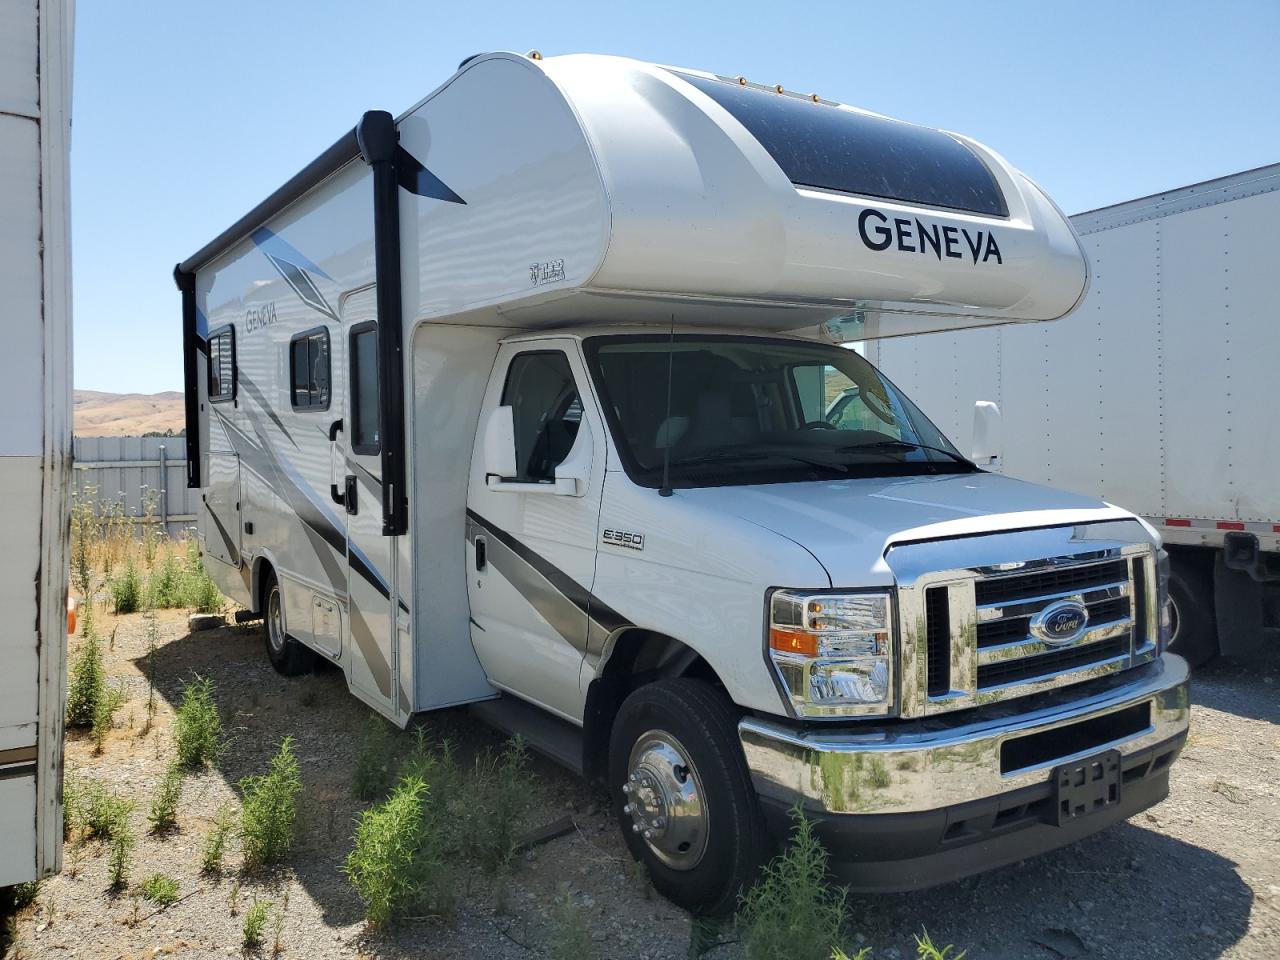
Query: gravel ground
(1196, 877)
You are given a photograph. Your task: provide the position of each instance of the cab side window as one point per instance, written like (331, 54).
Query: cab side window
(222, 365)
(547, 412)
(365, 413)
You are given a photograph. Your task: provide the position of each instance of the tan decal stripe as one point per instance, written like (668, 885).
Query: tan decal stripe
(18, 755)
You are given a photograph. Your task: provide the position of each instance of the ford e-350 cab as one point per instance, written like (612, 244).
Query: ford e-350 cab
(539, 398)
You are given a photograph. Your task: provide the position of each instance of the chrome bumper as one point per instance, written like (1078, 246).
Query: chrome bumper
(912, 766)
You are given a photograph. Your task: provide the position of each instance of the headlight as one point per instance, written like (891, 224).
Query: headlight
(832, 652)
(1162, 600)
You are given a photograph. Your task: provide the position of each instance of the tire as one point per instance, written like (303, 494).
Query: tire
(679, 738)
(1194, 634)
(286, 654)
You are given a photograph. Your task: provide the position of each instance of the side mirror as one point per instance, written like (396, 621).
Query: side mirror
(988, 439)
(574, 472)
(500, 443)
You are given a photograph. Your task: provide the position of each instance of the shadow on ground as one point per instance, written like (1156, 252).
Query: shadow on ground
(1247, 688)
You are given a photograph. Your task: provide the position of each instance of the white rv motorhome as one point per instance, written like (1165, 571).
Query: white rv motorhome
(35, 444)
(518, 401)
(1156, 394)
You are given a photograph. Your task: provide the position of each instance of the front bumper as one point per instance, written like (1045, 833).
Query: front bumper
(899, 793)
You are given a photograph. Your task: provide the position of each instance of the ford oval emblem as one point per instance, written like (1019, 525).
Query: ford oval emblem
(1060, 623)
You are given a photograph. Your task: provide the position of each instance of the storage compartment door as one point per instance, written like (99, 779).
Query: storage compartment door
(220, 517)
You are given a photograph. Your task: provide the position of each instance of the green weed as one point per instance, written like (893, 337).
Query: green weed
(160, 890)
(397, 866)
(277, 926)
(104, 715)
(255, 921)
(199, 590)
(497, 796)
(119, 855)
(24, 894)
(791, 912)
(90, 806)
(925, 949)
(269, 813)
(164, 805)
(87, 683)
(197, 729)
(376, 761)
(572, 937)
(215, 843)
(127, 588)
(165, 586)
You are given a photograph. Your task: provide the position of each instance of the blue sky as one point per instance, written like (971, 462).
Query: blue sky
(186, 114)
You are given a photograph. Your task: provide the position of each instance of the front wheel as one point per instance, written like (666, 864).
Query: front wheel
(683, 795)
(286, 654)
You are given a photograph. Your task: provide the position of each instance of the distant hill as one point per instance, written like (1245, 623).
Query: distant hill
(99, 414)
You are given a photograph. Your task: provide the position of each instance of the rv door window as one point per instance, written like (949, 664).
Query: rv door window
(222, 365)
(365, 439)
(547, 412)
(309, 370)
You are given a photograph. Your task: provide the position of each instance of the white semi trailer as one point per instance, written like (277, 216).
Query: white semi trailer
(518, 400)
(1158, 394)
(35, 439)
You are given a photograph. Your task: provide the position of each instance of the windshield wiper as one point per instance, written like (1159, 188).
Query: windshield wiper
(723, 455)
(909, 445)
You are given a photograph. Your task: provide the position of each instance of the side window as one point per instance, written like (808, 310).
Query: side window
(222, 365)
(820, 391)
(309, 370)
(364, 390)
(547, 412)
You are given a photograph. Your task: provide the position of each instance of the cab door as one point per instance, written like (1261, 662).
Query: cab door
(369, 647)
(531, 536)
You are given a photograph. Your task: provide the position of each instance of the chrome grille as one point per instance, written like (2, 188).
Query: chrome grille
(966, 608)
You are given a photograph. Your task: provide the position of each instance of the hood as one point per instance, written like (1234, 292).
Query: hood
(848, 525)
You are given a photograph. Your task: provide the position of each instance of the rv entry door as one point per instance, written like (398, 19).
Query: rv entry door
(370, 644)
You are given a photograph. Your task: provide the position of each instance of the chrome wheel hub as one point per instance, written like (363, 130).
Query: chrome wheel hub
(275, 621)
(664, 800)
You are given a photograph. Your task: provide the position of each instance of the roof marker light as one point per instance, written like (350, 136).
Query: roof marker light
(534, 55)
(778, 89)
(742, 81)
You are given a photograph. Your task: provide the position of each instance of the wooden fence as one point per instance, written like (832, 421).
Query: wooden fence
(126, 469)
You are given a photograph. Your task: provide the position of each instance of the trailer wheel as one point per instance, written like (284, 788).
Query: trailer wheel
(683, 796)
(287, 655)
(1193, 632)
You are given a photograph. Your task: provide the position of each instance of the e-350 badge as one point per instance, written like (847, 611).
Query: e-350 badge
(623, 538)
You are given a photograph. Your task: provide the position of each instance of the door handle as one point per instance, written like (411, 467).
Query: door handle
(334, 493)
(482, 553)
(349, 494)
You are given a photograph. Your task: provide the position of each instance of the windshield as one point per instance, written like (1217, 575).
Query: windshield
(755, 410)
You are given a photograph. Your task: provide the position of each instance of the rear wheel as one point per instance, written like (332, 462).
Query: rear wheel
(1192, 625)
(287, 655)
(683, 796)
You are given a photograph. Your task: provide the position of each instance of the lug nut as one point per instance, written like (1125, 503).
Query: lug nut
(648, 834)
(627, 808)
(660, 822)
(627, 788)
(634, 778)
(635, 828)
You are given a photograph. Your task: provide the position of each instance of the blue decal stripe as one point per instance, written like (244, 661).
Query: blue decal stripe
(420, 181)
(276, 246)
